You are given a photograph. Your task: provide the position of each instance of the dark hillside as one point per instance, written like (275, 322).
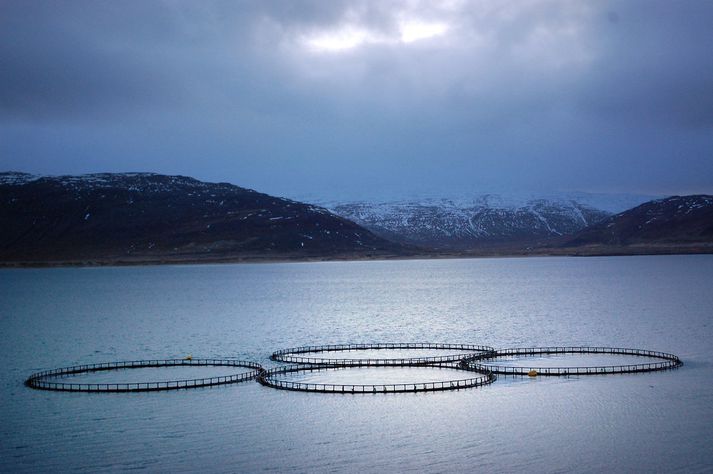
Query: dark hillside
(138, 217)
(679, 223)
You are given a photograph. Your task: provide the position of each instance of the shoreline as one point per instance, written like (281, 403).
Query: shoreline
(648, 250)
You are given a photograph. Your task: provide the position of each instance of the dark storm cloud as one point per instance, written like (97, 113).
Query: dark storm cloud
(655, 65)
(289, 96)
(57, 60)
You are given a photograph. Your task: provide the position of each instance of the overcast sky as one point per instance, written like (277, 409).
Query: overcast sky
(298, 97)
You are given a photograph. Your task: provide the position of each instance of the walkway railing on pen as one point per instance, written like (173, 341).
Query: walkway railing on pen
(44, 380)
(668, 361)
(289, 355)
(267, 378)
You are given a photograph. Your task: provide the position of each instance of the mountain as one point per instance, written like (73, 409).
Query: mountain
(479, 222)
(152, 218)
(145, 217)
(677, 223)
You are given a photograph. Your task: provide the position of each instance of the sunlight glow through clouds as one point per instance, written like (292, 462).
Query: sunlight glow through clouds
(347, 37)
(417, 30)
(350, 37)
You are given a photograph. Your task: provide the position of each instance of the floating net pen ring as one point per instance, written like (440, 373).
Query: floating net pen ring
(292, 355)
(41, 380)
(270, 378)
(484, 362)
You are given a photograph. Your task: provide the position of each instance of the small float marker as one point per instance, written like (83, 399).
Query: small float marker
(188, 357)
(532, 373)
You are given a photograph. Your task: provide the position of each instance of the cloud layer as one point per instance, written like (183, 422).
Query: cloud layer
(293, 97)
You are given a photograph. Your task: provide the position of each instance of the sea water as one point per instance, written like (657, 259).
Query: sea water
(661, 421)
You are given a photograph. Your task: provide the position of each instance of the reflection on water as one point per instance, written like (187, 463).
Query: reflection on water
(661, 421)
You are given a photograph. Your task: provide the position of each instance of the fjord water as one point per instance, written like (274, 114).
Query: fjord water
(660, 421)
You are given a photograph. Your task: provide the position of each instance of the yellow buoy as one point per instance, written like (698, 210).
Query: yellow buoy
(189, 357)
(532, 373)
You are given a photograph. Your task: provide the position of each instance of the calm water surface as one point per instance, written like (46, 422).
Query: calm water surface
(622, 423)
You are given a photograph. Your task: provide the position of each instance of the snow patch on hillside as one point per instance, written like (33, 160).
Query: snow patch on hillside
(14, 178)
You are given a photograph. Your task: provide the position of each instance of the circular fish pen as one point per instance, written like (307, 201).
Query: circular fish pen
(43, 380)
(465, 352)
(476, 360)
(485, 362)
(270, 378)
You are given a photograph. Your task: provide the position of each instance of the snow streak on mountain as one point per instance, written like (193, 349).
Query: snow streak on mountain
(486, 220)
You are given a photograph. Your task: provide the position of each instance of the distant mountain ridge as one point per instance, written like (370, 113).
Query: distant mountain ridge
(133, 217)
(116, 218)
(483, 221)
(523, 224)
(460, 196)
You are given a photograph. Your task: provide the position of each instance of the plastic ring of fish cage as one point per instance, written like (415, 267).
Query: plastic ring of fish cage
(269, 378)
(293, 355)
(485, 362)
(43, 380)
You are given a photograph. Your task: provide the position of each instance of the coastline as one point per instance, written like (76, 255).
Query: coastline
(590, 251)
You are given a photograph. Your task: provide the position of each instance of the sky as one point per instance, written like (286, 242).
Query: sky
(336, 97)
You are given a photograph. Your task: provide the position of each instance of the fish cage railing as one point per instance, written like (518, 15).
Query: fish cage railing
(481, 362)
(578, 350)
(267, 379)
(292, 355)
(39, 380)
(613, 369)
(384, 345)
(408, 361)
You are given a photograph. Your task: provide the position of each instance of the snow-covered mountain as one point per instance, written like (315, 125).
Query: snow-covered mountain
(482, 220)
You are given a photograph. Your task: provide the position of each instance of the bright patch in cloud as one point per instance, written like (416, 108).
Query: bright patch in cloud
(418, 30)
(350, 36)
(341, 40)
